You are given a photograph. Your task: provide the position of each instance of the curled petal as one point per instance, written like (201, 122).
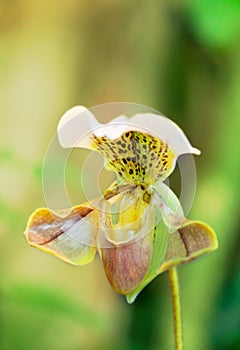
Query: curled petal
(192, 240)
(69, 235)
(189, 242)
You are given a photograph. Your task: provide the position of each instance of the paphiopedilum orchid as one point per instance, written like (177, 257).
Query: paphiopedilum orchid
(138, 225)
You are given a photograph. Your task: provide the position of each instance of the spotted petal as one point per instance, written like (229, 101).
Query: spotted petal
(69, 235)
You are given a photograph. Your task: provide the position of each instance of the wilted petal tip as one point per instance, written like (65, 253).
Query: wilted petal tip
(196, 151)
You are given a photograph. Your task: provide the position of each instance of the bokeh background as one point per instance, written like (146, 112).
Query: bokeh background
(179, 57)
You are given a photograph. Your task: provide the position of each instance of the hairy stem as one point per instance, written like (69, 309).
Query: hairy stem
(176, 305)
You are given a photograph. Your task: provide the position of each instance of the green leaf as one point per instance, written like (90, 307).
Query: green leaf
(216, 22)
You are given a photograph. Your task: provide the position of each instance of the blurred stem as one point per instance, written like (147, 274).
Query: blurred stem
(176, 305)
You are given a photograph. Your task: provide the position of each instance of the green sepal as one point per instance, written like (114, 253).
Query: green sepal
(170, 206)
(169, 197)
(160, 243)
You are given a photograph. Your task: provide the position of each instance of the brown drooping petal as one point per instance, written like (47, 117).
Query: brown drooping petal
(126, 265)
(125, 239)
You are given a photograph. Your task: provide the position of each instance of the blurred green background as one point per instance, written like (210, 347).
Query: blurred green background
(179, 57)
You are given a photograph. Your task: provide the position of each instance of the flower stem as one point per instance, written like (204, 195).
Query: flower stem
(176, 305)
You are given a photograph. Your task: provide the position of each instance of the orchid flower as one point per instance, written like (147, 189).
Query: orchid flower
(138, 225)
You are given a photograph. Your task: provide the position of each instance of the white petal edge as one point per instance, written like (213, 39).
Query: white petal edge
(75, 127)
(167, 130)
(78, 124)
